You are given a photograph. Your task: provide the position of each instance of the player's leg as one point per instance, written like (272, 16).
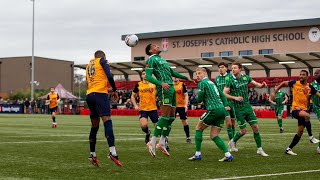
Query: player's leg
(229, 126)
(317, 112)
(103, 108)
(53, 116)
(144, 125)
(279, 113)
(160, 129)
(218, 117)
(198, 136)
(95, 119)
(253, 121)
(296, 138)
(240, 114)
(183, 117)
(306, 116)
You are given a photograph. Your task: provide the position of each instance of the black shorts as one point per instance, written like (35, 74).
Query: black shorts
(99, 104)
(301, 121)
(153, 115)
(52, 110)
(182, 112)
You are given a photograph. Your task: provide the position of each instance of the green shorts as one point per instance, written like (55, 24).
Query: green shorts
(231, 113)
(167, 97)
(278, 111)
(316, 110)
(245, 114)
(214, 117)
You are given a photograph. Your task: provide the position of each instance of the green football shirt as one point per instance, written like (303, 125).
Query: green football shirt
(239, 87)
(161, 69)
(221, 81)
(212, 97)
(280, 96)
(315, 99)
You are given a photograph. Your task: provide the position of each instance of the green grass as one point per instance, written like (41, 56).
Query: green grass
(31, 149)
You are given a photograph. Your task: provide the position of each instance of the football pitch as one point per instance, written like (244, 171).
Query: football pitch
(31, 149)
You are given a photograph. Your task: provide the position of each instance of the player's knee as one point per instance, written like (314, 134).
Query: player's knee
(184, 122)
(243, 131)
(213, 136)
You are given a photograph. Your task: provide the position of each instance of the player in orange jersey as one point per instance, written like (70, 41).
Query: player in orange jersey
(182, 99)
(302, 92)
(98, 76)
(52, 100)
(147, 105)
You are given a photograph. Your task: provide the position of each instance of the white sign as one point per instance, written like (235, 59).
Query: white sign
(314, 34)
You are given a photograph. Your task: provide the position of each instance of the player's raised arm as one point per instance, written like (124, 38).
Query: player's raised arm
(258, 85)
(283, 84)
(271, 100)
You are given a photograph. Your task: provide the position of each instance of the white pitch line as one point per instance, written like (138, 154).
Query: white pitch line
(36, 142)
(268, 175)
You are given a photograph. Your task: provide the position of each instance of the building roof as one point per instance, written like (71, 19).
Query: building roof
(267, 62)
(232, 28)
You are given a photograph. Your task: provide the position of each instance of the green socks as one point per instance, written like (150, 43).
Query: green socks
(220, 143)
(230, 132)
(237, 137)
(257, 138)
(280, 123)
(198, 139)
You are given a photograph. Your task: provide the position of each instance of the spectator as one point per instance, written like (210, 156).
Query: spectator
(33, 104)
(27, 105)
(128, 104)
(1, 100)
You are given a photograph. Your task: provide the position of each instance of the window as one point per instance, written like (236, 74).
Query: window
(226, 53)
(266, 51)
(141, 58)
(207, 55)
(245, 53)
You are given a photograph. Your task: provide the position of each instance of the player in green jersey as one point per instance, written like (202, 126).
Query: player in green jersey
(160, 68)
(316, 100)
(237, 90)
(280, 100)
(216, 105)
(221, 81)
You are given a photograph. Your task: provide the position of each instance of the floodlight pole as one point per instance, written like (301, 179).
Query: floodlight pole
(32, 60)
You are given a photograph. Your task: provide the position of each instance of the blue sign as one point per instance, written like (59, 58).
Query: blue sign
(12, 109)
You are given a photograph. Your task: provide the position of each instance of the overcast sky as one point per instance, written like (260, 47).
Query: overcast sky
(74, 29)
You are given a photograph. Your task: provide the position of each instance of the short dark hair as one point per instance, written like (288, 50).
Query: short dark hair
(99, 54)
(148, 47)
(305, 72)
(223, 64)
(238, 64)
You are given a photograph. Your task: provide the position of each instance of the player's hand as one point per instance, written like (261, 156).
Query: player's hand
(239, 98)
(165, 86)
(227, 108)
(136, 107)
(264, 84)
(186, 108)
(283, 102)
(273, 103)
(114, 96)
(191, 80)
